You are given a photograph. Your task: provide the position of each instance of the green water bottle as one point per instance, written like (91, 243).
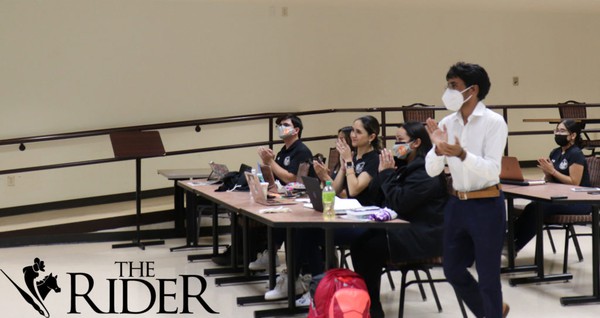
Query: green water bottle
(328, 201)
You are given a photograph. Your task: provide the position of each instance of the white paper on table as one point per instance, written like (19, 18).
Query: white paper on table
(345, 204)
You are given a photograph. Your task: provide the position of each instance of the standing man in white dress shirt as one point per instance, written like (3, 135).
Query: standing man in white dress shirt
(471, 142)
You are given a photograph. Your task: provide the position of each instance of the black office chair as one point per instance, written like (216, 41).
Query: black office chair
(423, 265)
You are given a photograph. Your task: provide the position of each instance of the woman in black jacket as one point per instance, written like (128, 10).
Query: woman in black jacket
(407, 189)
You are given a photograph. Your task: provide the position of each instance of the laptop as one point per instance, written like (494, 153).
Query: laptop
(315, 195)
(218, 171)
(259, 195)
(314, 192)
(244, 168)
(511, 173)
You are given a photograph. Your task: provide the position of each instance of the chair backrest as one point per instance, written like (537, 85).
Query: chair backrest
(334, 159)
(303, 169)
(572, 109)
(418, 112)
(593, 164)
(269, 177)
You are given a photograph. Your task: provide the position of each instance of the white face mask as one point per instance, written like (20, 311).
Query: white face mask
(285, 131)
(453, 99)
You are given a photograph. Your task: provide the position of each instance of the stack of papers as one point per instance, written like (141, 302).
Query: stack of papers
(585, 189)
(346, 204)
(362, 212)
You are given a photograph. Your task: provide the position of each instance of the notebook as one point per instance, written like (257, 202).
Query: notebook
(218, 171)
(510, 173)
(314, 192)
(258, 194)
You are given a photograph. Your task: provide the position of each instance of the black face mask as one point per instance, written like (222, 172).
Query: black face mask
(561, 140)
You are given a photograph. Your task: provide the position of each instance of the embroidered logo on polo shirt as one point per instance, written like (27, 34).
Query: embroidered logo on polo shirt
(563, 165)
(359, 167)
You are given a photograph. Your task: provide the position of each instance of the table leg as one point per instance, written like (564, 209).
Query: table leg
(291, 268)
(178, 197)
(272, 255)
(539, 257)
(192, 220)
(510, 238)
(595, 297)
(215, 229)
(191, 229)
(330, 249)
(234, 266)
(272, 250)
(247, 275)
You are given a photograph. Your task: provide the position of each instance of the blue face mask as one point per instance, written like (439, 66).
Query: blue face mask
(402, 150)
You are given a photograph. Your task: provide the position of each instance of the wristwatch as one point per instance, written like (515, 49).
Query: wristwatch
(349, 165)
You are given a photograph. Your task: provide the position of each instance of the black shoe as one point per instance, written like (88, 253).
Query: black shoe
(224, 259)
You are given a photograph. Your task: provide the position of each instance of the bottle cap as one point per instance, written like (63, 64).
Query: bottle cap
(328, 182)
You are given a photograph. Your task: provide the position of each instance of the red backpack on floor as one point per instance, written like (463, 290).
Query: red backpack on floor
(341, 293)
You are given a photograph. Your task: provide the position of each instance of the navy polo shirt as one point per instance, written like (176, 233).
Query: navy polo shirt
(290, 158)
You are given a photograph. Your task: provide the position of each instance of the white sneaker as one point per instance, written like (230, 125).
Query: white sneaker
(281, 285)
(262, 261)
(304, 301)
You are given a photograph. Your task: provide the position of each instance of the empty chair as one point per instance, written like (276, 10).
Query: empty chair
(576, 110)
(423, 265)
(418, 112)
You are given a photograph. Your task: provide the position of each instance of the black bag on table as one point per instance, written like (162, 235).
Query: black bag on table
(233, 180)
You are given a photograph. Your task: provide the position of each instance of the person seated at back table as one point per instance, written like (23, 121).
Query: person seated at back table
(285, 168)
(417, 198)
(358, 170)
(294, 152)
(354, 177)
(566, 164)
(321, 169)
(359, 167)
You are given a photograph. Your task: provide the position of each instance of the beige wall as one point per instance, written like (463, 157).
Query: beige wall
(69, 65)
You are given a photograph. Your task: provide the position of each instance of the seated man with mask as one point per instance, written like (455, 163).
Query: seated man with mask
(285, 168)
(294, 152)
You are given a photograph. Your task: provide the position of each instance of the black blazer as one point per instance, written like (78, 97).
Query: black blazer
(419, 199)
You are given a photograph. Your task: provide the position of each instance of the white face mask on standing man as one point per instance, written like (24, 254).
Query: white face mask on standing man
(453, 99)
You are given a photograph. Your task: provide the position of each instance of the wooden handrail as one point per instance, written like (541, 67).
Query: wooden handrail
(230, 119)
(100, 132)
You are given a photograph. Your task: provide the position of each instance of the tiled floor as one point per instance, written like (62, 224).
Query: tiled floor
(141, 272)
(77, 264)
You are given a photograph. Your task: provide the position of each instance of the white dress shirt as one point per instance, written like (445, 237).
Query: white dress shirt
(483, 138)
